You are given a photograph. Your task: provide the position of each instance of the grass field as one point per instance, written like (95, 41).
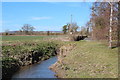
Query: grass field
(24, 38)
(91, 59)
(6, 40)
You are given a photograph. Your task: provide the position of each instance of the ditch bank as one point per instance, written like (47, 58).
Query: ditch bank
(14, 57)
(58, 66)
(86, 59)
(38, 70)
(70, 37)
(17, 56)
(77, 37)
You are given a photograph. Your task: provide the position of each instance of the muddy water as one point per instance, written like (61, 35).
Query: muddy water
(40, 70)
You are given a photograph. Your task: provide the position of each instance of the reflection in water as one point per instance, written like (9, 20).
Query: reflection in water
(40, 70)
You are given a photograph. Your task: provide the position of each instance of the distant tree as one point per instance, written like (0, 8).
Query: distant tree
(83, 31)
(65, 29)
(7, 32)
(70, 28)
(27, 28)
(73, 27)
(48, 33)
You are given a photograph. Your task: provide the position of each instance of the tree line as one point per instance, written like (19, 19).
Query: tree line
(28, 29)
(104, 21)
(100, 20)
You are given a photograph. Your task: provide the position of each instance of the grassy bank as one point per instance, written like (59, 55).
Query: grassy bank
(80, 59)
(89, 59)
(15, 56)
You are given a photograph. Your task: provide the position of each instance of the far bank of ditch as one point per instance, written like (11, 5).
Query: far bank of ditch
(16, 56)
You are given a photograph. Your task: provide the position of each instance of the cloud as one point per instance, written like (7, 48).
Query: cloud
(40, 18)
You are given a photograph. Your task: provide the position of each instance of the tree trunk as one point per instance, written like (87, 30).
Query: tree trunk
(110, 29)
(118, 44)
(118, 24)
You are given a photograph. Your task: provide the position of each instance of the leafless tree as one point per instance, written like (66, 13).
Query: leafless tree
(27, 28)
(100, 19)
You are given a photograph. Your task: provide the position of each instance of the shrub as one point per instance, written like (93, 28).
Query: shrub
(47, 49)
(9, 66)
(20, 55)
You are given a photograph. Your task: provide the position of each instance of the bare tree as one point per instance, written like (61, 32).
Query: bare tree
(7, 32)
(48, 33)
(103, 25)
(27, 28)
(118, 26)
(73, 28)
(111, 20)
(65, 29)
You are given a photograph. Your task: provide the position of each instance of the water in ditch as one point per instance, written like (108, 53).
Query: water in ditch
(40, 70)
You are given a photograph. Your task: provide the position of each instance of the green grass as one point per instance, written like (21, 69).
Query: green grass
(8, 40)
(91, 59)
(24, 38)
(15, 56)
